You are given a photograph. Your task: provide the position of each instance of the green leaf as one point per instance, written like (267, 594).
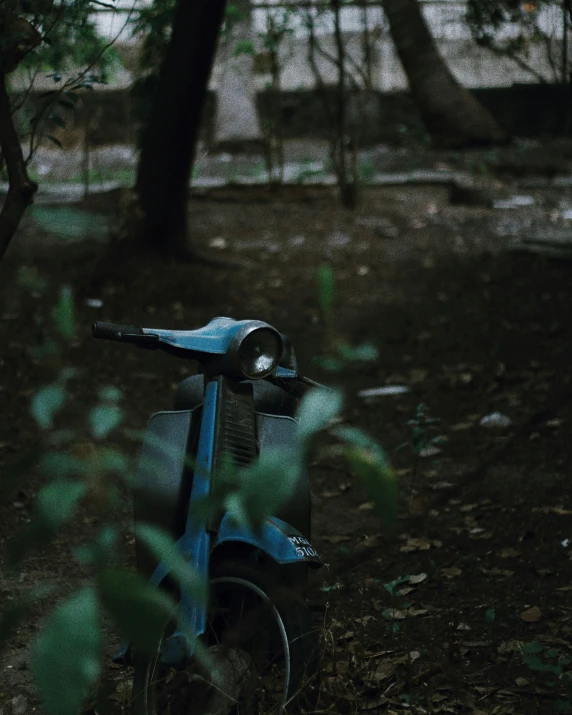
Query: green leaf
(390, 586)
(57, 501)
(233, 14)
(370, 462)
(101, 550)
(68, 223)
(103, 419)
(45, 349)
(534, 663)
(30, 279)
(244, 47)
(317, 409)
(234, 506)
(61, 464)
(331, 364)
(46, 402)
(66, 657)
(55, 504)
(264, 486)
(54, 140)
(326, 289)
(63, 314)
(140, 611)
(379, 481)
(364, 353)
(533, 647)
(356, 437)
(58, 121)
(58, 438)
(109, 394)
(13, 614)
(490, 615)
(164, 549)
(112, 460)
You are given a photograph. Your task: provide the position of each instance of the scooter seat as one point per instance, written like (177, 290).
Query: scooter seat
(268, 398)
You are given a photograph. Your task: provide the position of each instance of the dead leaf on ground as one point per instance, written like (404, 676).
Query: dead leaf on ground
(513, 646)
(509, 553)
(405, 591)
(554, 423)
(396, 614)
(430, 451)
(419, 544)
(451, 572)
(558, 510)
(415, 544)
(480, 534)
(374, 703)
(531, 615)
(441, 485)
(365, 620)
(383, 672)
(461, 426)
(502, 573)
(417, 578)
(366, 506)
(521, 682)
(346, 636)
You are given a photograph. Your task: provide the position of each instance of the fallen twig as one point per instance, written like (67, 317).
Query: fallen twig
(395, 689)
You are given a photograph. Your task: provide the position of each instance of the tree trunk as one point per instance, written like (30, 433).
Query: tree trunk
(237, 122)
(453, 117)
(169, 140)
(21, 190)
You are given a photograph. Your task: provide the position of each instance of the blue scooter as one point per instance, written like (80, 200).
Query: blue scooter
(256, 626)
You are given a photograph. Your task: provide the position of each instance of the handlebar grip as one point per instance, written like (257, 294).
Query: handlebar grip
(113, 331)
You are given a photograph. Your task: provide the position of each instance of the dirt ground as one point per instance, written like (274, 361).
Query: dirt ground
(467, 608)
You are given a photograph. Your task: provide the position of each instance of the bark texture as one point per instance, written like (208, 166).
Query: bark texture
(171, 135)
(453, 117)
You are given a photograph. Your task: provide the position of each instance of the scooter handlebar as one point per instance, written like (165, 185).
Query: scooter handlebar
(114, 331)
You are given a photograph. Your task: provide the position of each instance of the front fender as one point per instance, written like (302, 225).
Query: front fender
(282, 542)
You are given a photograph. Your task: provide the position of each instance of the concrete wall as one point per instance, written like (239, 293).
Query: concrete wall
(513, 94)
(390, 117)
(473, 66)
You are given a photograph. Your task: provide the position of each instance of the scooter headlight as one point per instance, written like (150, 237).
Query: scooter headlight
(259, 353)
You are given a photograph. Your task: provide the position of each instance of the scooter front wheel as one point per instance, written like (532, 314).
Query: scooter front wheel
(261, 654)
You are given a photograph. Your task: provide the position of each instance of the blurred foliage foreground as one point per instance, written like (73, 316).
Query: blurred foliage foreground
(82, 468)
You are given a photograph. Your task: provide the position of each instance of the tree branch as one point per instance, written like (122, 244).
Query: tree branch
(22, 189)
(107, 5)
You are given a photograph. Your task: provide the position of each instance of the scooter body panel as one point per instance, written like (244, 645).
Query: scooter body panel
(164, 478)
(275, 538)
(168, 487)
(275, 431)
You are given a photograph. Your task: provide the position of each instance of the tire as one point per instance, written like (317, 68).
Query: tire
(259, 636)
